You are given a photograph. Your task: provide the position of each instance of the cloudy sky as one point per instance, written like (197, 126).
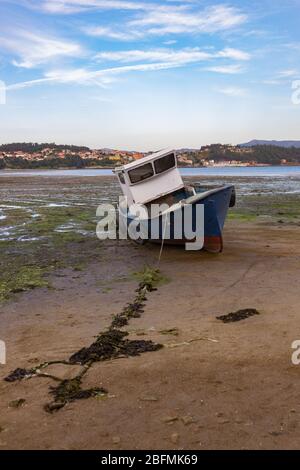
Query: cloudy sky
(149, 74)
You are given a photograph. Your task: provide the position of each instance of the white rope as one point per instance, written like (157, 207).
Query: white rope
(162, 241)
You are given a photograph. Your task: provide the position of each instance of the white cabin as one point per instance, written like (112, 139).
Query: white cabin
(150, 177)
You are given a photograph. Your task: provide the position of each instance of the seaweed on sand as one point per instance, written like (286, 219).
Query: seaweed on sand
(109, 344)
(105, 347)
(132, 310)
(18, 374)
(239, 315)
(69, 390)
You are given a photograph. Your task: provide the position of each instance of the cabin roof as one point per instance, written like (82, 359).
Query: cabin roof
(144, 160)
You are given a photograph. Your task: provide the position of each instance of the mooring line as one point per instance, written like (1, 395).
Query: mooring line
(162, 242)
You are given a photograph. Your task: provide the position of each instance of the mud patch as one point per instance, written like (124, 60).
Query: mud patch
(110, 344)
(239, 315)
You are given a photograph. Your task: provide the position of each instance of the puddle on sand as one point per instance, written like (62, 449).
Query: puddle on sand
(57, 204)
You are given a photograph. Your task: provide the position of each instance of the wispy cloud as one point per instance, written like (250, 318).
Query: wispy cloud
(136, 61)
(272, 82)
(111, 33)
(226, 69)
(161, 55)
(27, 84)
(283, 77)
(170, 42)
(232, 91)
(32, 49)
(150, 18)
(236, 54)
(209, 20)
(154, 19)
(88, 77)
(293, 46)
(288, 73)
(76, 6)
(180, 56)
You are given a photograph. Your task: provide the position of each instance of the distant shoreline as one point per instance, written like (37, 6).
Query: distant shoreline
(201, 172)
(41, 168)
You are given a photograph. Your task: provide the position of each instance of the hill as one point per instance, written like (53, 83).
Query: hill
(274, 143)
(31, 147)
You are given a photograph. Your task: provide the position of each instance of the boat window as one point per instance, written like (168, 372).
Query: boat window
(121, 178)
(164, 163)
(141, 173)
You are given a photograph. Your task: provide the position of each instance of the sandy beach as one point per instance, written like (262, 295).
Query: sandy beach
(213, 385)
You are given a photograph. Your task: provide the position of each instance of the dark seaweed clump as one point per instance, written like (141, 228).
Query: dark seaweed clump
(239, 315)
(18, 374)
(133, 310)
(105, 347)
(110, 345)
(70, 390)
(137, 347)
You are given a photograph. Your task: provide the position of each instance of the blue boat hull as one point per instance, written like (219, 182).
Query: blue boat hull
(216, 204)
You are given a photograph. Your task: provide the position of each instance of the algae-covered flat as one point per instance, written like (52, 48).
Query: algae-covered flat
(49, 224)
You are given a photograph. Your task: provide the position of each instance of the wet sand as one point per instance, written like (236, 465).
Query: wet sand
(213, 385)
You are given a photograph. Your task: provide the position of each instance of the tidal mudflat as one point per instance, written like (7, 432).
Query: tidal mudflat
(48, 223)
(60, 286)
(43, 226)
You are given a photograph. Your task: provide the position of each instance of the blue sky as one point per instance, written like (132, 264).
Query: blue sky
(145, 75)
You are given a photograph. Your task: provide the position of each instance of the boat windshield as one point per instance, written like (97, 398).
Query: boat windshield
(141, 173)
(121, 178)
(164, 163)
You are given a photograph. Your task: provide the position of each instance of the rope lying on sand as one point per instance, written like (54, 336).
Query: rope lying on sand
(110, 344)
(163, 240)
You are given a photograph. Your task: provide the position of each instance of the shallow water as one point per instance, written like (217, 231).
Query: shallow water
(269, 171)
(253, 171)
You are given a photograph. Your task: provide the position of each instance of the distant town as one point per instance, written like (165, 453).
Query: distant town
(34, 155)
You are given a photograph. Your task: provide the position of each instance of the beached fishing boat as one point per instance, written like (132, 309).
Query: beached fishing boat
(155, 182)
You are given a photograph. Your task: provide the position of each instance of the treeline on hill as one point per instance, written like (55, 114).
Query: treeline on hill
(274, 155)
(70, 161)
(32, 147)
(268, 154)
